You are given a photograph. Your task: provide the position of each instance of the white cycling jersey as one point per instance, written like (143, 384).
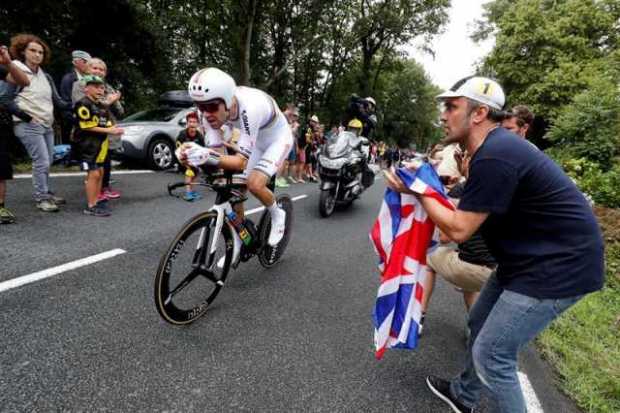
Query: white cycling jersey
(266, 137)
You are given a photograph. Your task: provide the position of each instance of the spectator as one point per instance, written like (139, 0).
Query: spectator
(302, 142)
(191, 134)
(93, 125)
(540, 229)
(467, 267)
(10, 73)
(394, 156)
(313, 158)
(519, 121)
(111, 100)
(310, 141)
(288, 166)
(80, 68)
(33, 115)
(381, 153)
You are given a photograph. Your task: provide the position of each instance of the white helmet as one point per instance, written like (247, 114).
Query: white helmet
(371, 100)
(212, 83)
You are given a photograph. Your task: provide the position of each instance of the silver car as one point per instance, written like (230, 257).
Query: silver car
(150, 135)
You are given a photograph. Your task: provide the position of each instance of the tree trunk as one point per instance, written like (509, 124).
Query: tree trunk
(246, 41)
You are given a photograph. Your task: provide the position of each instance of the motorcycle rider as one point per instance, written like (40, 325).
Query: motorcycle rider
(363, 109)
(266, 138)
(356, 127)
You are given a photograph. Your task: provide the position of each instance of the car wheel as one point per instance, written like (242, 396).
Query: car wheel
(161, 154)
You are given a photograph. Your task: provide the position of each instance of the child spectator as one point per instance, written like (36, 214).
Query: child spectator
(191, 134)
(111, 100)
(93, 125)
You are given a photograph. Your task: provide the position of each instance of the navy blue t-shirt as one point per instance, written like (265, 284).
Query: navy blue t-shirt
(541, 229)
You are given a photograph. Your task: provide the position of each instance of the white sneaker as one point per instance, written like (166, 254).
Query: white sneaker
(278, 225)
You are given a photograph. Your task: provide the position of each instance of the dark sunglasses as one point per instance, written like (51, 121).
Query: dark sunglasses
(208, 107)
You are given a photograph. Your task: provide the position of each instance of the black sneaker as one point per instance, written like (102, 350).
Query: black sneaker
(103, 204)
(441, 388)
(96, 211)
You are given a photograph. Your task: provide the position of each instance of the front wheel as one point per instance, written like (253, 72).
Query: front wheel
(327, 202)
(268, 256)
(189, 276)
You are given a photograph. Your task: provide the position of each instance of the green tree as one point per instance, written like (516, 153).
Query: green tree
(129, 47)
(545, 50)
(589, 127)
(382, 26)
(410, 113)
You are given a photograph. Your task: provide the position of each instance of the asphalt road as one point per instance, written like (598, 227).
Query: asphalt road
(297, 337)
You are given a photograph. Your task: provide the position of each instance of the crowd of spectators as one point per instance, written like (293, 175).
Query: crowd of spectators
(28, 101)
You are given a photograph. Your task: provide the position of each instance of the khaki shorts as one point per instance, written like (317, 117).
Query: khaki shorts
(445, 261)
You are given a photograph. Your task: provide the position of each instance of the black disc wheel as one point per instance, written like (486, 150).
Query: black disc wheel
(327, 202)
(189, 276)
(268, 255)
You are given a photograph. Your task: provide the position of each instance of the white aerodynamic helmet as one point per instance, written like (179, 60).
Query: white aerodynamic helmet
(371, 100)
(212, 83)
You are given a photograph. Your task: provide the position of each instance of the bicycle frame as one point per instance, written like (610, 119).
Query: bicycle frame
(222, 207)
(222, 210)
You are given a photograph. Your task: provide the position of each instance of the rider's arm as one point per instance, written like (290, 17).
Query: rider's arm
(215, 140)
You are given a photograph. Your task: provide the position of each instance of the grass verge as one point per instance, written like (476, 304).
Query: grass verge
(584, 344)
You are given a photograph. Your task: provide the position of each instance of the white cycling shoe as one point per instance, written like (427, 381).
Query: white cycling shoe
(278, 225)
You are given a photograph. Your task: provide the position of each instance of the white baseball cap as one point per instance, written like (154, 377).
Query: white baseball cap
(480, 89)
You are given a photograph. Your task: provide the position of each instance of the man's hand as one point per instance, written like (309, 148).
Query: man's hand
(5, 57)
(116, 131)
(113, 98)
(394, 182)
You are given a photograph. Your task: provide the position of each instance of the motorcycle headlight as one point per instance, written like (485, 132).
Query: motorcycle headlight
(332, 163)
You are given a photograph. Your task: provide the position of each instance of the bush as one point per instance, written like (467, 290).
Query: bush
(602, 187)
(590, 126)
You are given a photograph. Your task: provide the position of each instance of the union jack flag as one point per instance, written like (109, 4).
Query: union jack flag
(403, 235)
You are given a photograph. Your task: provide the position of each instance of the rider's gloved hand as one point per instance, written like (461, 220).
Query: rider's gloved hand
(195, 155)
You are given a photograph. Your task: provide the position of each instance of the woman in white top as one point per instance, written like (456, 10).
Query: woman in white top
(33, 114)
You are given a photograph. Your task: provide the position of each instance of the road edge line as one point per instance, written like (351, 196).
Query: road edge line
(50, 272)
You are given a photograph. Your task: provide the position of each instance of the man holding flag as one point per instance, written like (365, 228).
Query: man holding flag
(538, 226)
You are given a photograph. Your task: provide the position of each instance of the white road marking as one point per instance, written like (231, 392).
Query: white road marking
(50, 272)
(63, 174)
(260, 208)
(531, 400)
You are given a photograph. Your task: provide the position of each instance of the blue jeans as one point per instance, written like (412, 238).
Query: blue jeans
(501, 323)
(39, 143)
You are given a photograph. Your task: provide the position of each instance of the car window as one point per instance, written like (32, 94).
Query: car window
(157, 115)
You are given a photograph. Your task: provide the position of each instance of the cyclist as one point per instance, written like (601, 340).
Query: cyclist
(266, 137)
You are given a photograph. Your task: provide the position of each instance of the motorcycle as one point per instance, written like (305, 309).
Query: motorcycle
(344, 171)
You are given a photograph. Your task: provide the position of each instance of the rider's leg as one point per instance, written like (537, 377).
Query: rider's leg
(257, 184)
